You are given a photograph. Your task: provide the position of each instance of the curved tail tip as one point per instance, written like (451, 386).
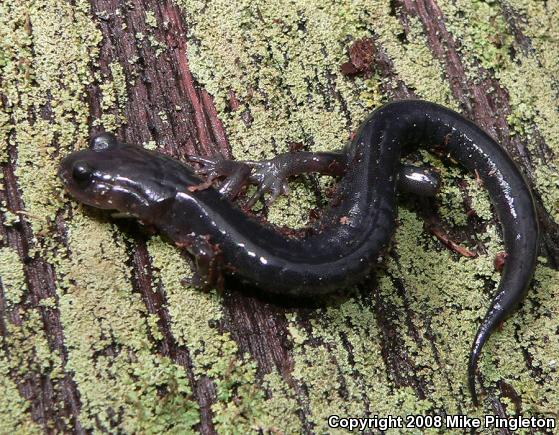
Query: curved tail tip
(472, 385)
(472, 368)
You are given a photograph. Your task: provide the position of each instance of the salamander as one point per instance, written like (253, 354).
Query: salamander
(353, 231)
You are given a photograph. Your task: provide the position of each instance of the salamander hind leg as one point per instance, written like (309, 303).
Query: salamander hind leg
(208, 262)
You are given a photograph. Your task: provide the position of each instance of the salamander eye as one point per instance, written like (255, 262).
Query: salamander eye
(82, 173)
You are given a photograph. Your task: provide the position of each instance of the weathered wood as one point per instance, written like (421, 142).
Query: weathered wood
(98, 332)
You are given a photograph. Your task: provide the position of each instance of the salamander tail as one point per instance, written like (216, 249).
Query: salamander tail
(494, 317)
(480, 340)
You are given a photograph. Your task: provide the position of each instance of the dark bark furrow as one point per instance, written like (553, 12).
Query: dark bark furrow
(210, 133)
(156, 302)
(400, 367)
(39, 389)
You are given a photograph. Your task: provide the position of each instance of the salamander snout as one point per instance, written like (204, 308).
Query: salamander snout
(113, 175)
(84, 181)
(90, 175)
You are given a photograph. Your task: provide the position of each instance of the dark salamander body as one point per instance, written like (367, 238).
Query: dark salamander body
(354, 230)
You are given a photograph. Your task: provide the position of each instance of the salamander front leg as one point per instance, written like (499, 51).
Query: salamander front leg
(208, 262)
(236, 174)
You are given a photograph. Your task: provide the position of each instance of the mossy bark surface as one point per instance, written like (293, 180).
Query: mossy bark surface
(99, 333)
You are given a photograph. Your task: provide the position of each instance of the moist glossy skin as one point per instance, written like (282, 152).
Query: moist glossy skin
(353, 232)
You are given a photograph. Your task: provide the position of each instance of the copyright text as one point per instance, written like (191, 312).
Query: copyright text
(457, 421)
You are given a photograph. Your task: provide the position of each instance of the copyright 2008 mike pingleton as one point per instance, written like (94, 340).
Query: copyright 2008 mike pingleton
(456, 421)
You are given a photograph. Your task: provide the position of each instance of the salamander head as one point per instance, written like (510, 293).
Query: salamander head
(117, 176)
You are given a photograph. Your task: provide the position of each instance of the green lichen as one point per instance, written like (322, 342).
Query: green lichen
(453, 205)
(547, 179)
(530, 77)
(151, 145)
(5, 130)
(8, 217)
(155, 413)
(448, 293)
(538, 21)
(49, 302)
(481, 32)
(14, 416)
(44, 71)
(12, 277)
(163, 116)
(279, 412)
(541, 312)
(113, 99)
(533, 101)
(415, 64)
(157, 45)
(322, 362)
(293, 210)
(28, 347)
(151, 20)
(241, 399)
(480, 202)
(27, 356)
(154, 328)
(47, 49)
(114, 363)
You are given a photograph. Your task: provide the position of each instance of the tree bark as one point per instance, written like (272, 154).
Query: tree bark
(98, 332)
